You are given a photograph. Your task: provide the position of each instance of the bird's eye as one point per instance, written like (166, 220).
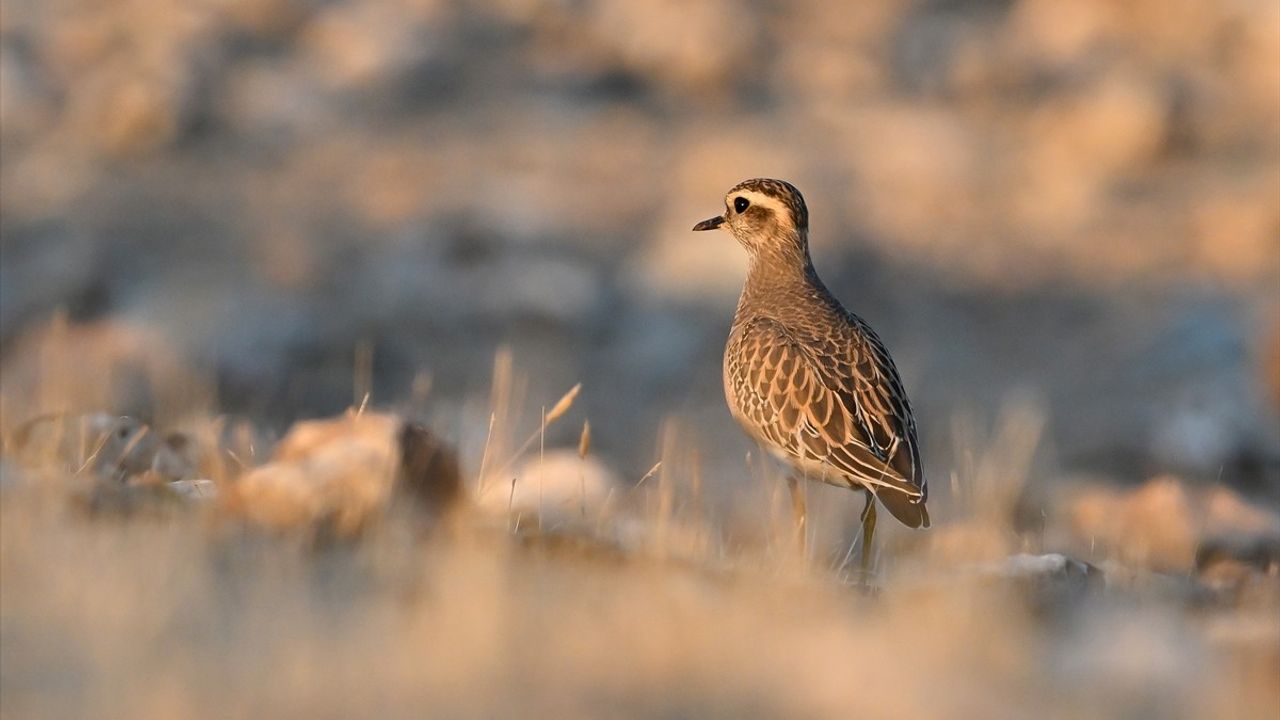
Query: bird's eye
(740, 204)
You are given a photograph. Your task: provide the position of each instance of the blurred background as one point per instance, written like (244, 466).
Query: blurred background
(223, 216)
(1076, 203)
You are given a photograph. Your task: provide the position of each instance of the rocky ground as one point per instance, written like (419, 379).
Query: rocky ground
(1077, 202)
(354, 570)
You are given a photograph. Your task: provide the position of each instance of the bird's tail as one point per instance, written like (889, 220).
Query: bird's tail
(904, 503)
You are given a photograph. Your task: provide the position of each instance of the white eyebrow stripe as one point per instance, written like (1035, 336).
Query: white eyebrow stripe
(777, 206)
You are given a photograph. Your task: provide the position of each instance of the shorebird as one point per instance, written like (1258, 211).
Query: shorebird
(808, 380)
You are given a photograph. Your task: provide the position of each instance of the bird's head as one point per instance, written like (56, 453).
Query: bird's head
(766, 216)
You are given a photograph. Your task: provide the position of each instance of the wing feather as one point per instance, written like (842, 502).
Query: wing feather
(840, 403)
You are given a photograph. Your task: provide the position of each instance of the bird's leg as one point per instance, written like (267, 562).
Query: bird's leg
(798, 512)
(868, 530)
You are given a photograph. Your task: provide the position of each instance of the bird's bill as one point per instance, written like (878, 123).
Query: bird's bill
(710, 223)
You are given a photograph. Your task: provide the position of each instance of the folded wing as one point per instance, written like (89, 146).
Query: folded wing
(836, 403)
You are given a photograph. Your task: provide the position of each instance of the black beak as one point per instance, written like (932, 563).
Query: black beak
(710, 224)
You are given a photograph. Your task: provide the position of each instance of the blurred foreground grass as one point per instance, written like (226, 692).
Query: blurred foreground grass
(160, 619)
(646, 599)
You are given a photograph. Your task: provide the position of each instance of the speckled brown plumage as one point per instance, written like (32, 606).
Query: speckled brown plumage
(809, 380)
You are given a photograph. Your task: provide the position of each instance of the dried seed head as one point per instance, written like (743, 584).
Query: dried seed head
(584, 441)
(562, 406)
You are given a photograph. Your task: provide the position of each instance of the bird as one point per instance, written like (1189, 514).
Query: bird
(808, 380)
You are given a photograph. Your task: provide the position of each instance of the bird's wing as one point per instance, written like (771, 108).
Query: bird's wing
(839, 402)
(882, 402)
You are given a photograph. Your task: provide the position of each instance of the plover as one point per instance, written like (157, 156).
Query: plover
(807, 379)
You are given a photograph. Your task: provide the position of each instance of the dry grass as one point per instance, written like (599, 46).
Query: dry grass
(664, 603)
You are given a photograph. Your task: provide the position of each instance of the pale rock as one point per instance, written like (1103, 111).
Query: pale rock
(339, 470)
(559, 489)
(1161, 524)
(340, 474)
